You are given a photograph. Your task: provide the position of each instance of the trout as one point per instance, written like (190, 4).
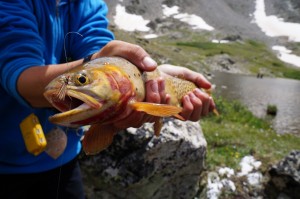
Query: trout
(98, 92)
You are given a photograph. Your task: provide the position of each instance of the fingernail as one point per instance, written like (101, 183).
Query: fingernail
(192, 95)
(149, 63)
(161, 84)
(198, 90)
(187, 98)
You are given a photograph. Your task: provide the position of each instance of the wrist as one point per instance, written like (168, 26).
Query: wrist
(87, 58)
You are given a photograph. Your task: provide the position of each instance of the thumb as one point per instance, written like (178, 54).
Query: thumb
(133, 53)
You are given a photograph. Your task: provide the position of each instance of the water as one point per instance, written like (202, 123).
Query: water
(257, 93)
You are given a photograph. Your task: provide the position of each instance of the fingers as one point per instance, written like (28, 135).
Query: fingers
(133, 53)
(205, 99)
(187, 107)
(196, 104)
(198, 109)
(155, 91)
(198, 79)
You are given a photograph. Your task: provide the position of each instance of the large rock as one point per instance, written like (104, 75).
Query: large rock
(140, 165)
(285, 178)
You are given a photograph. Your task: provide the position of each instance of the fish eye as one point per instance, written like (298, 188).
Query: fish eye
(81, 79)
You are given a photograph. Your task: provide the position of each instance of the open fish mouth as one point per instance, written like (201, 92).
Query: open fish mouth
(72, 100)
(73, 106)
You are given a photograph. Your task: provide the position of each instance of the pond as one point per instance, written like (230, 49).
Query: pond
(258, 93)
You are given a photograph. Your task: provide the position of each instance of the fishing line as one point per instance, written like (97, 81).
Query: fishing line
(66, 58)
(66, 129)
(65, 43)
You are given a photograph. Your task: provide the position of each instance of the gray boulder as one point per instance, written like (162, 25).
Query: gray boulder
(140, 165)
(285, 178)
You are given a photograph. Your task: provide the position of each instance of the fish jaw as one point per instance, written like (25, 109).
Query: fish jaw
(75, 106)
(69, 118)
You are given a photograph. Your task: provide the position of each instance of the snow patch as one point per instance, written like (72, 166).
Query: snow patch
(285, 55)
(215, 185)
(220, 41)
(169, 11)
(218, 181)
(193, 20)
(255, 179)
(248, 164)
(273, 26)
(150, 36)
(225, 171)
(130, 22)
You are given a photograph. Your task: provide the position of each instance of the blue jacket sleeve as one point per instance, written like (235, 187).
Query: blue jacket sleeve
(92, 26)
(18, 32)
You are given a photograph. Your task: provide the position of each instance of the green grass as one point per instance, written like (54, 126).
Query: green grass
(295, 47)
(252, 55)
(291, 73)
(237, 133)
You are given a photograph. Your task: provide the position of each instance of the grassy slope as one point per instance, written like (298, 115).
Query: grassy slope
(191, 50)
(236, 132)
(253, 55)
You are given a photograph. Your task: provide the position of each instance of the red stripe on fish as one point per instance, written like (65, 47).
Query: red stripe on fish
(117, 82)
(123, 83)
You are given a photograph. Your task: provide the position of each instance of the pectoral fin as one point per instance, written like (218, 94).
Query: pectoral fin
(179, 117)
(97, 138)
(157, 126)
(160, 110)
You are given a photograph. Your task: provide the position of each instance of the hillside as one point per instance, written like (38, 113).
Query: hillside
(195, 29)
(227, 17)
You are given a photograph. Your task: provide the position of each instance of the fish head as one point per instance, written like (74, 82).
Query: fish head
(83, 96)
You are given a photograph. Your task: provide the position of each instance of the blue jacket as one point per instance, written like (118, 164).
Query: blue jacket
(32, 34)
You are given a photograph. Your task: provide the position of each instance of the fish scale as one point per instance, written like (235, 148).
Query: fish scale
(180, 87)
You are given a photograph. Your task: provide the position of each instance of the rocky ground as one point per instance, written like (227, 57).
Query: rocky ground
(288, 10)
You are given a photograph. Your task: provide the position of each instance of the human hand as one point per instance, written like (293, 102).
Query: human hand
(196, 103)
